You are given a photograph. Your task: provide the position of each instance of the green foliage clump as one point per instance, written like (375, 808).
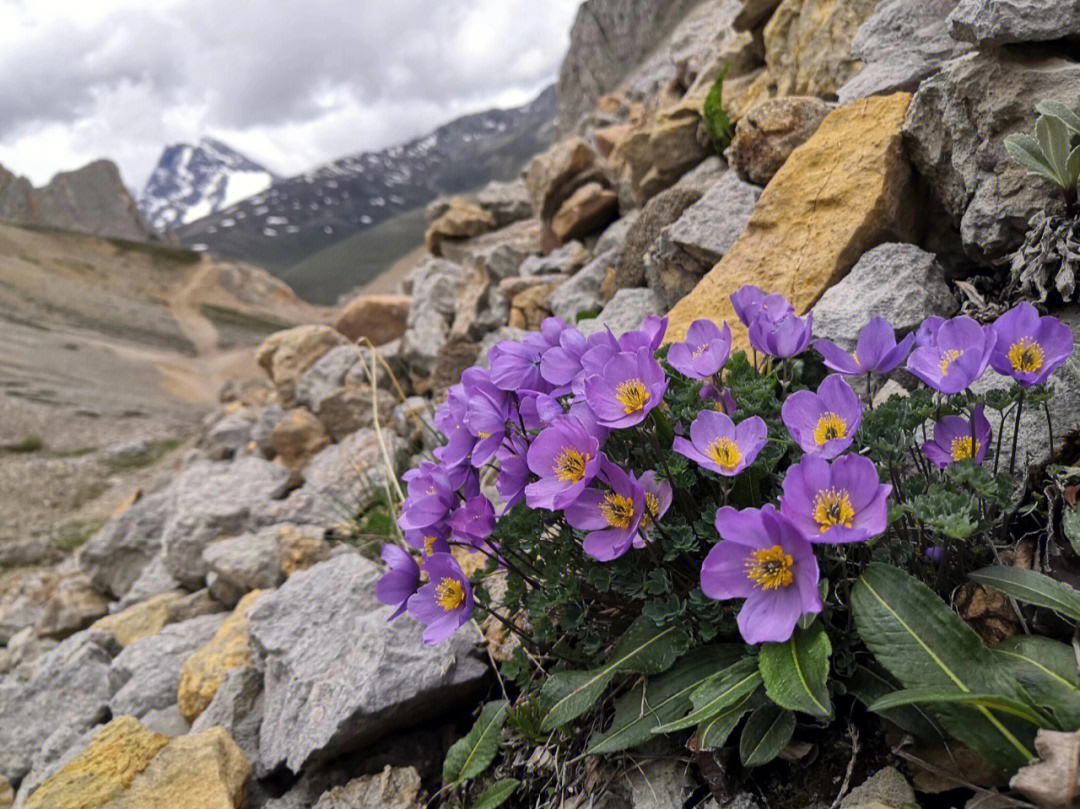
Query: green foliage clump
(717, 123)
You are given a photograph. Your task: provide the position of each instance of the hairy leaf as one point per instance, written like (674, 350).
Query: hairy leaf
(496, 794)
(1031, 588)
(728, 687)
(796, 673)
(1026, 151)
(1058, 110)
(473, 753)
(712, 733)
(655, 702)
(767, 732)
(1048, 671)
(924, 644)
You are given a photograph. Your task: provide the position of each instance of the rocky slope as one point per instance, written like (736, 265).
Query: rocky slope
(193, 181)
(299, 216)
(239, 652)
(91, 200)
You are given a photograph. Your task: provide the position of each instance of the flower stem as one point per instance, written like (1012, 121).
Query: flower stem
(1016, 431)
(1049, 427)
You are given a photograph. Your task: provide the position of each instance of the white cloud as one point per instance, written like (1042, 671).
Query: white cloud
(291, 82)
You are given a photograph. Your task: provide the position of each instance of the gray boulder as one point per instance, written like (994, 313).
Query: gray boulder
(565, 260)
(582, 292)
(325, 376)
(614, 235)
(237, 707)
(168, 721)
(899, 282)
(66, 689)
(901, 43)
(625, 311)
(1001, 22)
(507, 202)
(955, 131)
(435, 286)
(265, 422)
(337, 675)
(115, 556)
(709, 227)
(229, 435)
(145, 676)
(152, 581)
(246, 562)
(213, 499)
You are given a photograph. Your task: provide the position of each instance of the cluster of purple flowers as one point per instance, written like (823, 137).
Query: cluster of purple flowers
(540, 415)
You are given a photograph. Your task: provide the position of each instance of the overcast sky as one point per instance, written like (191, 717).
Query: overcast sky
(291, 83)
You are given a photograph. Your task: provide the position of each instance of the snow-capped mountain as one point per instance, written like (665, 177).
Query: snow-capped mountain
(191, 182)
(298, 216)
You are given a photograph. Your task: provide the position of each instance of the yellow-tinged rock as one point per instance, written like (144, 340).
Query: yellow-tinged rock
(115, 756)
(205, 671)
(198, 771)
(151, 616)
(844, 191)
(808, 44)
(7, 793)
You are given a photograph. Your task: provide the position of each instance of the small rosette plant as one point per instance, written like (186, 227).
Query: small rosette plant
(748, 540)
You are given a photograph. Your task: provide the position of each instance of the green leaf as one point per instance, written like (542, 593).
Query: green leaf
(717, 123)
(1053, 137)
(767, 732)
(1072, 167)
(655, 702)
(1048, 671)
(870, 684)
(496, 794)
(1070, 522)
(728, 687)
(712, 733)
(644, 649)
(1031, 588)
(796, 673)
(473, 753)
(924, 644)
(1026, 151)
(930, 696)
(1058, 110)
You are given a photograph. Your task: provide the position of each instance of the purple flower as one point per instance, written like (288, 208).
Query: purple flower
(451, 418)
(513, 471)
(875, 352)
(764, 559)
(431, 496)
(474, 521)
(487, 413)
(515, 366)
(566, 456)
(749, 302)
(955, 355)
(823, 423)
(1029, 347)
(717, 443)
(628, 388)
(445, 602)
(725, 402)
(657, 502)
(650, 335)
(705, 351)
(844, 502)
(432, 539)
(786, 337)
(611, 517)
(560, 364)
(927, 329)
(400, 582)
(954, 440)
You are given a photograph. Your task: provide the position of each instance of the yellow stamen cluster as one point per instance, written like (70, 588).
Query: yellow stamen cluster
(770, 569)
(429, 546)
(833, 507)
(1026, 356)
(724, 452)
(829, 427)
(963, 448)
(569, 465)
(948, 358)
(449, 594)
(652, 509)
(617, 510)
(632, 394)
(701, 349)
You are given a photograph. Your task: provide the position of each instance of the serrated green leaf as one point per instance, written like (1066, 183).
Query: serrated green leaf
(767, 733)
(728, 687)
(712, 733)
(496, 794)
(655, 702)
(1031, 588)
(1058, 110)
(930, 696)
(473, 753)
(868, 685)
(644, 649)
(1048, 671)
(924, 644)
(796, 673)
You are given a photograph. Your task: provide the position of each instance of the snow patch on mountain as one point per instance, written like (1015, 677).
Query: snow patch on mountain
(192, 182)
